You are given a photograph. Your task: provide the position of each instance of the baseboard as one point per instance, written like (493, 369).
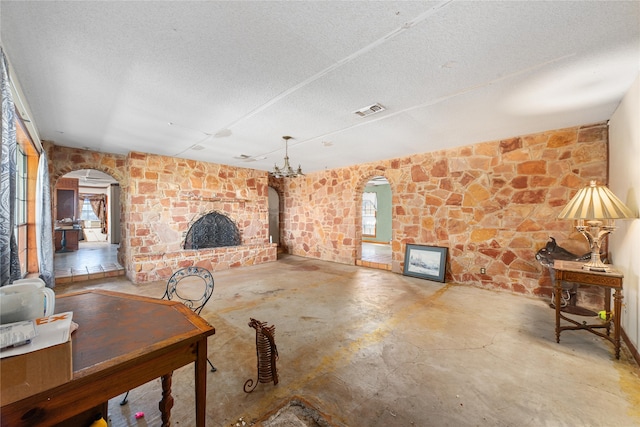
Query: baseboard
(632, 349)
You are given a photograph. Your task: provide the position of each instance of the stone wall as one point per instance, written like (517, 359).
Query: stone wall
(162, 196)
(63, 160)
(493, 204)
(168, 194)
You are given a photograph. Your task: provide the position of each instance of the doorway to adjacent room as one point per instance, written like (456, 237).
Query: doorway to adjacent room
(92, 215)
(375, 251)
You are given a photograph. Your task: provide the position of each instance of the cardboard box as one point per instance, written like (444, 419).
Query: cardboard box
(30, 373)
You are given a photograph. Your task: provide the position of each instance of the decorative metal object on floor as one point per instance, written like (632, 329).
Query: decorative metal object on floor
(267, 354)
(546, 256)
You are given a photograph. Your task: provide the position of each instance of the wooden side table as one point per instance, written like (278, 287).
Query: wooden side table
(571, 271)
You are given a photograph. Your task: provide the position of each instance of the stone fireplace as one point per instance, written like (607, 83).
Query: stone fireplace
(169, 195)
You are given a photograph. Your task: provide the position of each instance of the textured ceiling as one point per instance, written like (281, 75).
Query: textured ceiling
(223, 81)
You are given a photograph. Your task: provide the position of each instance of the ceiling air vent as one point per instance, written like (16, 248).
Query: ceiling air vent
(371, 109)
(245, 157)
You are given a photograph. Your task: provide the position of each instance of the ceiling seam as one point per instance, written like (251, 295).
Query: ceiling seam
(405, 27)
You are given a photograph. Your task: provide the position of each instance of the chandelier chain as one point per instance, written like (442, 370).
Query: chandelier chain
(286, 171)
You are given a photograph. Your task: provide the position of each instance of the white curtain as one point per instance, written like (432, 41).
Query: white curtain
(44, 235)
(9, 263)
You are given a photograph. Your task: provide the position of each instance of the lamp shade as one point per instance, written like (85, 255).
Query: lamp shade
(595, 202)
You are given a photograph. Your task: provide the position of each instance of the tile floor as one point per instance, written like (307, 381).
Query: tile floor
(371, 348)
(92, 260)
(375, 255)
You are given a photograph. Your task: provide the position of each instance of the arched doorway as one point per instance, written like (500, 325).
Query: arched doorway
(376, 224)
(86, 216)
(274, 216)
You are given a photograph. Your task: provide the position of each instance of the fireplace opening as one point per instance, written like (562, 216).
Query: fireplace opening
(213, 230)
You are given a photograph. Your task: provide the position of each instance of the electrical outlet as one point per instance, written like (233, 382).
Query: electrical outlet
(483, 270)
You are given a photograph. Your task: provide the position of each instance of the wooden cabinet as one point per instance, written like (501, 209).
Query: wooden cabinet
(66, 207)
(72, 237)
(66, 199)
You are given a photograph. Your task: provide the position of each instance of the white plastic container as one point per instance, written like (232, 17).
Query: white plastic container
(25, 299)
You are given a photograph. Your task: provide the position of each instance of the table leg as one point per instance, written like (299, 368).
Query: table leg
(617, 314)
(607, 307)
(201, 383)
(166, 403)
(557, 293)
(63, 243)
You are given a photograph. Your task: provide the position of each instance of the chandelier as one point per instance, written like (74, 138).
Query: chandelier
(286, 171)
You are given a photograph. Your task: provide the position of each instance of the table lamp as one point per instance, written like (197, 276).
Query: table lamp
(598, 206)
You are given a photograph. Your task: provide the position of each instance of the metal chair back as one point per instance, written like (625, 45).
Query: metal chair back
(192, 298)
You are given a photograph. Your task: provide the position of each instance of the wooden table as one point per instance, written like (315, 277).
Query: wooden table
(123, 342)
(570, 271)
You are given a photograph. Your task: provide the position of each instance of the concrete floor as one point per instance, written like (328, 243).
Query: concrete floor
(368, 347)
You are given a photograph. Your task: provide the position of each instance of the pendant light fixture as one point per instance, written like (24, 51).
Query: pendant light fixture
(286, 171)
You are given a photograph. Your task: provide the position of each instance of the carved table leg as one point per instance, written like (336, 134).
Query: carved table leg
(166, 403)
(557, 290)
(607, 308)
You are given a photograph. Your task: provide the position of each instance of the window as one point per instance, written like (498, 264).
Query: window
(25, 196)
(369, 209)
(87, 212)
(21, 186)
(21, 206)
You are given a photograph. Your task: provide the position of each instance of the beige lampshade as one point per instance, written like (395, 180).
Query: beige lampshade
(595, 202)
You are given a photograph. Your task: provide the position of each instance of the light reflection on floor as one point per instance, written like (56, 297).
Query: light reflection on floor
(375, 255)
(100, 259)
